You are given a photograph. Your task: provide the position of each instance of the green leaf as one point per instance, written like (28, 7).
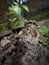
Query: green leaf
(25, 8)
(11, 12)
(17, 9)
(12, 20)
(10, 8)
(15, 3)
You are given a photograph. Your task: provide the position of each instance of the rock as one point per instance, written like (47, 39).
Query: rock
(4, 41)
(5, 33)
(24, 49)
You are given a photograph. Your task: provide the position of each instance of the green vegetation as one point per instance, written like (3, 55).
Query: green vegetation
(44, 34)
(16, 21)
(44, 30)
(3, 27)
(17, 9)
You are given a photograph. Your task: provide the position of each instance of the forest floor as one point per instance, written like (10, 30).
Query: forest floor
(23, 48)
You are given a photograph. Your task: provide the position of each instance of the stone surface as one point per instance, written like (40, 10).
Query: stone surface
(24, 49)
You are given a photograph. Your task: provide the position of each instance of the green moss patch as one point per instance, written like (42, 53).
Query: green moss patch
(44, 34)
(3, 27)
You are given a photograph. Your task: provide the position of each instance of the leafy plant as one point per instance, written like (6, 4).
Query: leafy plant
(17, 9)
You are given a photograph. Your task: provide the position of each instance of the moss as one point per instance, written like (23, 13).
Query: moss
(44, 34)
(3, 27)
(44, 30)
